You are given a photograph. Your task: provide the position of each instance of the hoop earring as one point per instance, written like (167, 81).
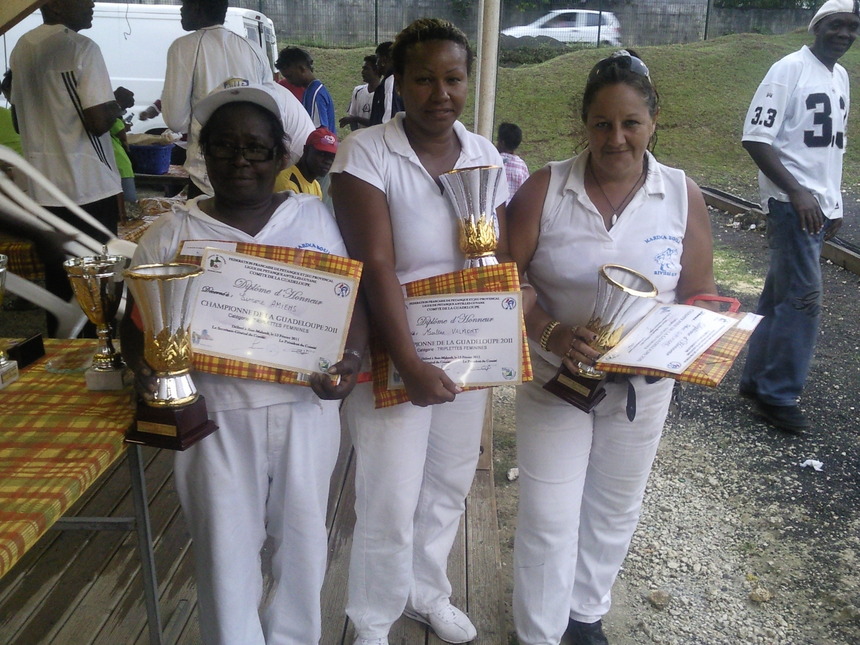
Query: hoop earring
(652, 142)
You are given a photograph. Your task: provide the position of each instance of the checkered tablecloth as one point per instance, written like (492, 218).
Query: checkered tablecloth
(23, 260)
(56, 439)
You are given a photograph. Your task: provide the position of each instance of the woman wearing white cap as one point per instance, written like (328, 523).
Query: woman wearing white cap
(266, 470)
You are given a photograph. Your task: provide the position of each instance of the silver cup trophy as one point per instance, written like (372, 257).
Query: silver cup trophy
(8, 367)
(623, 298)
(472, 192)
(97, 284)
(171, 414)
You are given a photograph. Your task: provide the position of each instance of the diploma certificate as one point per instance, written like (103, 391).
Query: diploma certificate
(271, 313)
(670, 338)
(475, 337)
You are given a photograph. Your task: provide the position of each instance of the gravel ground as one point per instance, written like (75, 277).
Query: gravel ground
(738, 543)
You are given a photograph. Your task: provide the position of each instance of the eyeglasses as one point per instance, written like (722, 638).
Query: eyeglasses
(249, 153)
(623, 60)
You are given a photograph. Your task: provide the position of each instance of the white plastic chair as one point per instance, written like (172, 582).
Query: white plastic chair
(18, 209)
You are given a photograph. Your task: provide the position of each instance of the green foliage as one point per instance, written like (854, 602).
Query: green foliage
(705, 89)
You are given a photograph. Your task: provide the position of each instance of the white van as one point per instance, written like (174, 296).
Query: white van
(134, 39)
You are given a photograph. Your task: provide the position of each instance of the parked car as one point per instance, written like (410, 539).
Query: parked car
(573, 26)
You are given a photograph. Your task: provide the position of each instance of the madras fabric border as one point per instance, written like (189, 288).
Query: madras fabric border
(300, 257)
(709, 369)
(496, 278)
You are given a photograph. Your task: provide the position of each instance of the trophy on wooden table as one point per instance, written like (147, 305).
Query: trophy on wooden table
(97, 283)
(472, 191)
(172, 414)
(8, 367)
(624, 296)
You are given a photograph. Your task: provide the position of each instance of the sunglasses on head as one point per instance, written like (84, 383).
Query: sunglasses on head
(623, 60)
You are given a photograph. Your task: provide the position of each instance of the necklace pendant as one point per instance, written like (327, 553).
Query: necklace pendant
(614, 219)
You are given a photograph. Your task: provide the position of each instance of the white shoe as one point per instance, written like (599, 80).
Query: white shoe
(371, 641)
(449, 623)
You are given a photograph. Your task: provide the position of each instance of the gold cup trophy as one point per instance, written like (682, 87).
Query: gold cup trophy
(472, 192)
(98, 286)
(624, 296)
(172, 414)
(8, 367)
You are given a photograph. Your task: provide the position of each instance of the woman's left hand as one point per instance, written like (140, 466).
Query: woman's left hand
(328, 388)
(578, 350)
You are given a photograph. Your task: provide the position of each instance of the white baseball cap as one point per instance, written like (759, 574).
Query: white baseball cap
(239, 89)
(834, 6)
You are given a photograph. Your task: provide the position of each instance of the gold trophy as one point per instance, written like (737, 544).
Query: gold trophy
(97, 283)
(172, 414)
(472, 192)
(8, 367)
(624, 296)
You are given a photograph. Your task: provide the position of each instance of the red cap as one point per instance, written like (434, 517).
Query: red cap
(323, 140)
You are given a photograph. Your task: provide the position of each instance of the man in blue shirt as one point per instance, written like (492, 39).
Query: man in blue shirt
(297, 66)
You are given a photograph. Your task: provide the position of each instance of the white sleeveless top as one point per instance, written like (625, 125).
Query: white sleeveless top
(573, 242)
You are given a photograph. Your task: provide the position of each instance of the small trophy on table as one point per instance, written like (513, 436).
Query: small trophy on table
(173, 414)
(8, 367)
(472, 192)
(97, 283)
(624, 296)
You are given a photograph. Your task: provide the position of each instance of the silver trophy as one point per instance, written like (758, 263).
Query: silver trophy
(97, 283)
(624, 296)
(472, 192)
(171, 414)
(8, 367)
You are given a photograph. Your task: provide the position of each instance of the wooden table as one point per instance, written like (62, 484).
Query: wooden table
(56, 439)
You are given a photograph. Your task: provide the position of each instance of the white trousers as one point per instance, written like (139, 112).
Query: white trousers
(582, 479)
(265, 470)
(414, 468)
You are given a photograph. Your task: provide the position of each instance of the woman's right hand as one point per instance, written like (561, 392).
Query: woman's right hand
(427, 384)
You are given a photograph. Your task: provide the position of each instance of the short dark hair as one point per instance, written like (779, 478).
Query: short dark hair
(371, 59)
(214, 10)
(510, 135)
(276, 127)
(294, 55)
(6, 86)
(423, 30)
(614, 70)
(384, 48)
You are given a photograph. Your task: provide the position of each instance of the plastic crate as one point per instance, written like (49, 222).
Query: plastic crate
(151, 160)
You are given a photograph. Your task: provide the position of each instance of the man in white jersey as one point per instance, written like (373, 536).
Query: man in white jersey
(64, 106)
(795, 133)
(198, 63)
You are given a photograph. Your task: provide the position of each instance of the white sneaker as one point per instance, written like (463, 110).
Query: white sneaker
(449, 623)
(371, 641)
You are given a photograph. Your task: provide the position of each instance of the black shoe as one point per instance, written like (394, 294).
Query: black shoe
(784, 417)
(586, 633)
(748, 394)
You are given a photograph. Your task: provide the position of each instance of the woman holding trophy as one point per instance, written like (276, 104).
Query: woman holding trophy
(415, 460)
(583, 474)
(266, 470)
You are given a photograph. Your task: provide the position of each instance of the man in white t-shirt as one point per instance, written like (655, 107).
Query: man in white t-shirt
(199, 62)
(795, 133)
(358, 112)
(64, 108)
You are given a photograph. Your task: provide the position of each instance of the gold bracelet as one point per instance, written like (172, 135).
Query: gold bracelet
(547, 332)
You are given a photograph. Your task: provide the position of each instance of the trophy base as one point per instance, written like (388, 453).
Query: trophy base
(580, 391)
(171, 428)
(102, 380)
(8, 373)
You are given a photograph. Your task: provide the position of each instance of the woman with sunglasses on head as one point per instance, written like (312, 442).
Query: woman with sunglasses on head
(266, 470)
(583, 475)
(416, 460)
